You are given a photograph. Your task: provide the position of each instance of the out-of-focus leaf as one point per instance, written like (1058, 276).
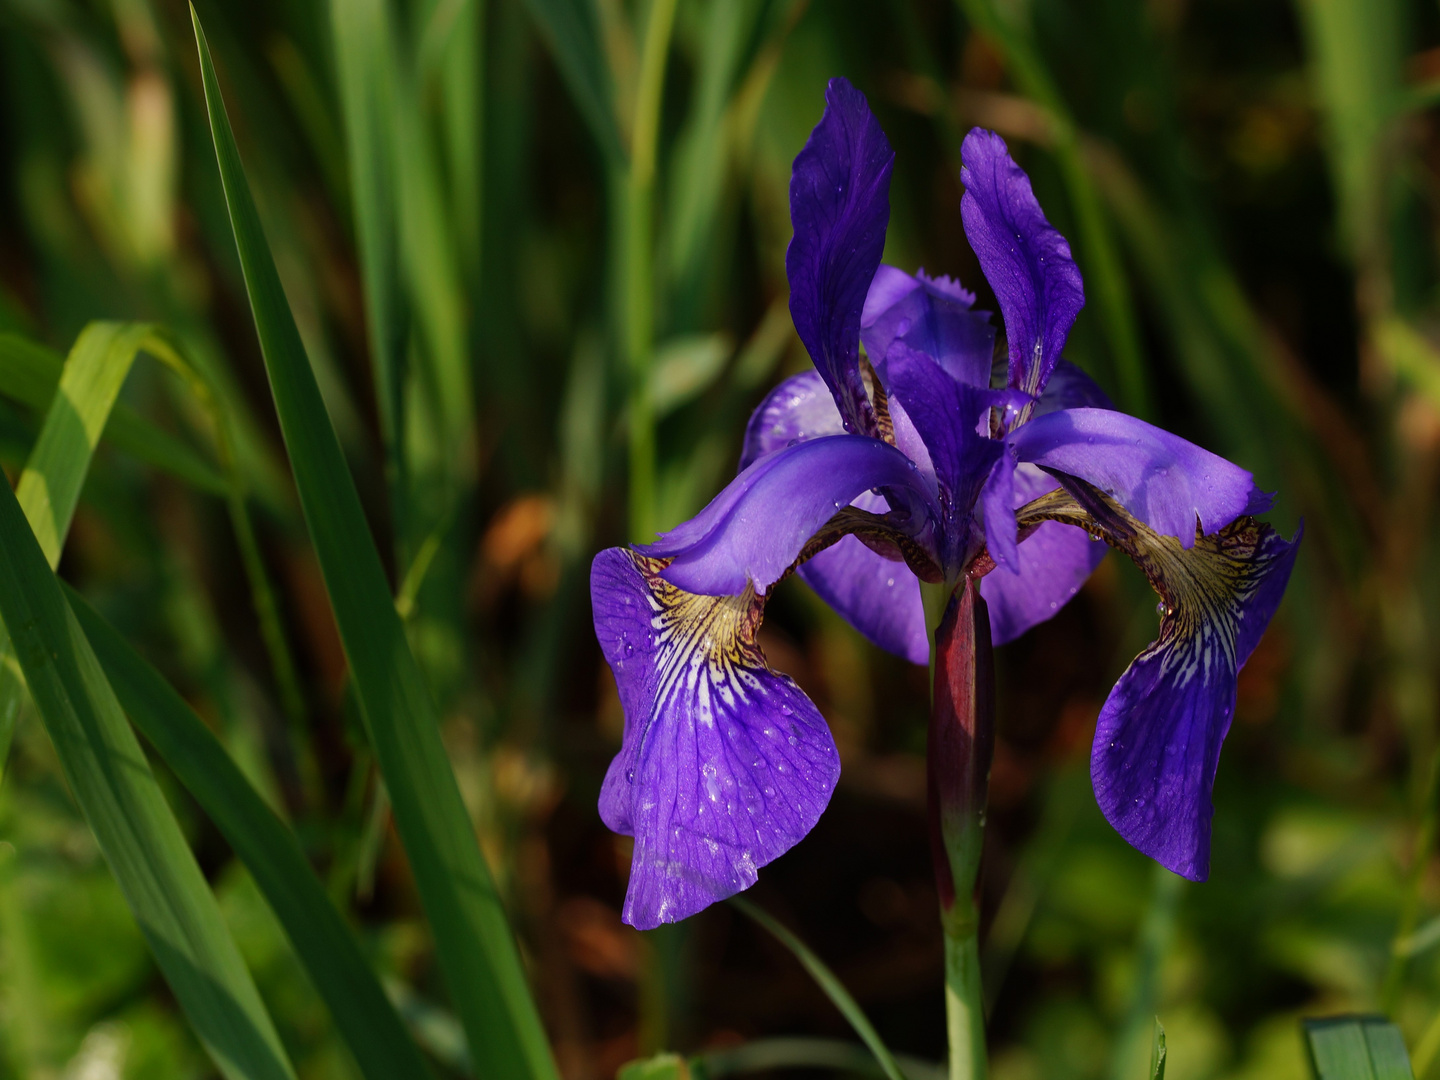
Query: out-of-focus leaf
(1357, 1048)
(366, 1019)
(572, 30)
(29, 374)
(474, 946)
(365, 65)
(762, 1055)
(684, 367)
(659, 1067)
(1157, 1053)
(112, 782)
(833, 987)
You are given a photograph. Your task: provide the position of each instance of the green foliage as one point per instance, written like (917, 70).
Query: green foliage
(1357, 1048)
(519, 285)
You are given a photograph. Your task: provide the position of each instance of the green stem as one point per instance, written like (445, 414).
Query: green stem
(962, 708)
(639, 288)
(1103, 269)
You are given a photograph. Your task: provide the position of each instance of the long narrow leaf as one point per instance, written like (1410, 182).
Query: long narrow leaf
(49, 487)
(368, 1022)
(112, 782)
(1357, 1048)
(30, 373)
(833, 987)
(476, 950)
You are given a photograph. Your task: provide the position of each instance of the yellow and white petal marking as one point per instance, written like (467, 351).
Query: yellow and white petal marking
(1158, 737)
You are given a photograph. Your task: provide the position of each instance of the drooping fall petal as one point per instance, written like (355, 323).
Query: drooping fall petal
(725, 764)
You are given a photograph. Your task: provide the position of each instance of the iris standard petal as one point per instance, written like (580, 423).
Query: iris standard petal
(1053, 562)
(839, 206)
(1164, 480)
(1071, 388)
(799, 408)
(930, 315)
(1026, 261)
(754, 530)
(724, 765)
(950, 417)
(1157, 742)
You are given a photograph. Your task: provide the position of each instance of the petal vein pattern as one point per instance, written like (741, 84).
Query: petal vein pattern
(1158, 738)
(725, 764)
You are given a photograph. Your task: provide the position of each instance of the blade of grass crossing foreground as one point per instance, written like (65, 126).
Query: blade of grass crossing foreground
(30, 373)
(50, 484)
(1357, 1048)
(139, 836)
(363, 1014)
(833, 987)
(474, 944)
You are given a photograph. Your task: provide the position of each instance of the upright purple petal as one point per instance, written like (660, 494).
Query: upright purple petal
(1168, 483)
(1157, 742)
(799, 408)
(949, 417)
(753, 531)
(1026, 261)
(933, 316)
(839, 206)
(724, 764)
(1053, 562)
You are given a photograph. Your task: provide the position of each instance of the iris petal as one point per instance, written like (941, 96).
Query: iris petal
(1026, 261)
(799, 408)
(754, 530)
(930, 315)
(1053, 562)
(1164, 480)
(1056, 559)
(1157, 742)
(840, 207)
(724, 765)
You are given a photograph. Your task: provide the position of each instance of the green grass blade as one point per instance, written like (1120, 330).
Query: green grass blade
(49, 487)
(572, 30)
(1157, 1053)
(96, 368)
(364, 66)
(1356, 1048)
(112, 782)
(475, 948)
(363, 1014)
(30, 373)
(833, 987)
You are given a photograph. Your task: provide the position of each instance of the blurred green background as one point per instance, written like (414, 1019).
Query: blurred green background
(536, 253)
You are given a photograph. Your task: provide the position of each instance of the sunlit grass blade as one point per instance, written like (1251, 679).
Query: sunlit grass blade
(474, 945)
(833, 987)
(363, 1014)
(49, 486)
(572, 31)
(139, 836)
(1356, 1048)
(1157, 1053)
(29, 374)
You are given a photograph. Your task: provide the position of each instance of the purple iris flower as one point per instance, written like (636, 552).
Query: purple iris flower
(871, 474)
